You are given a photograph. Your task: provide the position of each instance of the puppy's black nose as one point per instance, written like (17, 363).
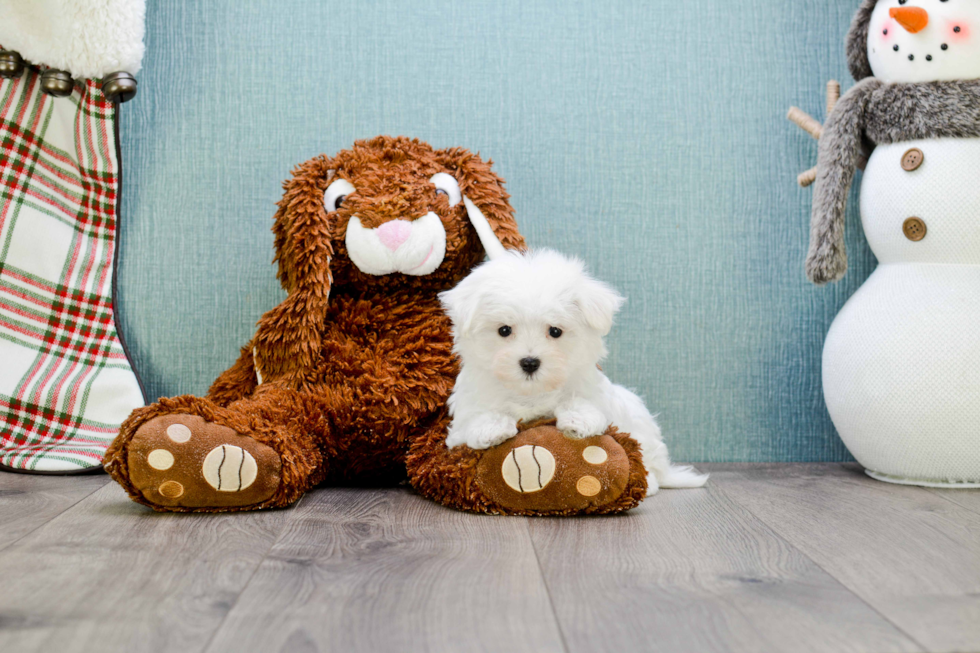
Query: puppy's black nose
(530, 365)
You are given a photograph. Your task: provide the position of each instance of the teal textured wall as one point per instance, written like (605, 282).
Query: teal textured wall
(647, 137)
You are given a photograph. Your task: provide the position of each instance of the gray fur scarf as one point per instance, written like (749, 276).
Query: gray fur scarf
(884, 114)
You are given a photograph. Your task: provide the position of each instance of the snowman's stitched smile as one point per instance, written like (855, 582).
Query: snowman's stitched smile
(929, 57)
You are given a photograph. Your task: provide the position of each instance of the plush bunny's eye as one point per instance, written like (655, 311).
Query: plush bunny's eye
(447, 185)
(334, 196)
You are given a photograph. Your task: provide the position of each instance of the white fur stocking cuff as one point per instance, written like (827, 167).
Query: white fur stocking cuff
(88, 38)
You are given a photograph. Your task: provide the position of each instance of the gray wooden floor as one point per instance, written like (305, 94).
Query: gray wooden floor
(767, 558)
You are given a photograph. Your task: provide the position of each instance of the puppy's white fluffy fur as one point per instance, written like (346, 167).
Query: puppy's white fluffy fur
(511, 309)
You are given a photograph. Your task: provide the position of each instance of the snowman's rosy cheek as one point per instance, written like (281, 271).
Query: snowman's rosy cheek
(887, 32)
(958, 31)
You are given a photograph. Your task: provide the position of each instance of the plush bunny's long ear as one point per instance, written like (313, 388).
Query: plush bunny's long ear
(488, 238)
(487, 203)
(288, 337)
(302, 231)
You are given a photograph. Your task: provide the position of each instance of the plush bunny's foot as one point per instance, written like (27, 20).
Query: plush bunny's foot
(180, 460)
(543, 471)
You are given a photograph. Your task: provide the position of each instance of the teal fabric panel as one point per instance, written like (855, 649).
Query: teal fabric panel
(649, 138)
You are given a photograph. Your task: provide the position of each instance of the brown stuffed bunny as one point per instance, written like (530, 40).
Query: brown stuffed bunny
(346, 381)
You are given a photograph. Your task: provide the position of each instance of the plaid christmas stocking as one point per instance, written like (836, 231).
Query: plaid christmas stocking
(65, 381)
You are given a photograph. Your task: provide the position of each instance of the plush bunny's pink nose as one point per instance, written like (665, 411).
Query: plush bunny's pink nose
(394, 233)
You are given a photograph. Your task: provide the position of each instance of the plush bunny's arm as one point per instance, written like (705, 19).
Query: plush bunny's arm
(840, 151)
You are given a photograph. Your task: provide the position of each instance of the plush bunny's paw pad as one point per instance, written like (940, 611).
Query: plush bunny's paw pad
(528, 469)
(542, 470)
(182, 460)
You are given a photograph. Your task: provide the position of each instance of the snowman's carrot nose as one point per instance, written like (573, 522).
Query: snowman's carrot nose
(913, 19)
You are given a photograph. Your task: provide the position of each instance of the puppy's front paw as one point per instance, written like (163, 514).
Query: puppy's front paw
(582, 421)
(482, 432)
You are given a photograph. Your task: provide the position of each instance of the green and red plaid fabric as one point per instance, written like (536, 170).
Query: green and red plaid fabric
(65, 381)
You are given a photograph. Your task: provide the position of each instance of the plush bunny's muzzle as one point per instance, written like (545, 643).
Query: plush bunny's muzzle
(414, 247)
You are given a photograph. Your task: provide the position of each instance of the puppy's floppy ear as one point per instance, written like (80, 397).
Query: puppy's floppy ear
(461, 305)
(598, 302)
(481, 185)
(288, 336)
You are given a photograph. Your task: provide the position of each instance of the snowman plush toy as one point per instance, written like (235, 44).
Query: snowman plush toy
(901, 363)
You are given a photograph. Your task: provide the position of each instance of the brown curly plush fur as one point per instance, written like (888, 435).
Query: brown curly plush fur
(356, 369)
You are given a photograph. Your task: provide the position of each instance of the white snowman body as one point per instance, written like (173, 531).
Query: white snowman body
(901, 363)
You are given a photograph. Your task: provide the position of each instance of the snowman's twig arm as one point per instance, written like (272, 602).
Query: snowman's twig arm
(809, 124)
(805, 121)
(840, 151)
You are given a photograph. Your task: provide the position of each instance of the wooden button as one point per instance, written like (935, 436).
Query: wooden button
(914, 229)
(912, 159)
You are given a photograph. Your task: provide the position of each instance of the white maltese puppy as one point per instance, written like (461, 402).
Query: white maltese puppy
(528, 330)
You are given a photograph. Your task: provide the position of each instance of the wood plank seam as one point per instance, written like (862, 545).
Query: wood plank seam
(544, 582)
(373, 570)
(693, 570)
(55, 516)
(764, 526)
(949, 497)
(255, 570)
(843, 583)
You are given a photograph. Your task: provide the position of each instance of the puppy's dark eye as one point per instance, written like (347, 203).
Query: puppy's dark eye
(337, 203)
(554, 332)
(440, 191)
(504, 331)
